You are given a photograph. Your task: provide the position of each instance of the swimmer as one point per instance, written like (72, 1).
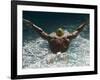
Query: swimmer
(59, 40)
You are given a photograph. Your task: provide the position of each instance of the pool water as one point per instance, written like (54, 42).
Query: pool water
(36, 52)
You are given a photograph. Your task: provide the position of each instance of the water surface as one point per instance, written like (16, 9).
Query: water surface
(36, 52)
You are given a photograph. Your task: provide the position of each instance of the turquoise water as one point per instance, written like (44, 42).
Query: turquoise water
(36, 53)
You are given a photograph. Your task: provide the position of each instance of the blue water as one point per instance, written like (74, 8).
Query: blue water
(36, 53)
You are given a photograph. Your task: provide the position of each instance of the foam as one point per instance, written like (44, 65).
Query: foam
(36, 54)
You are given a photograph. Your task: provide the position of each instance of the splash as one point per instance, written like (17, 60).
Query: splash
(36, 54)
